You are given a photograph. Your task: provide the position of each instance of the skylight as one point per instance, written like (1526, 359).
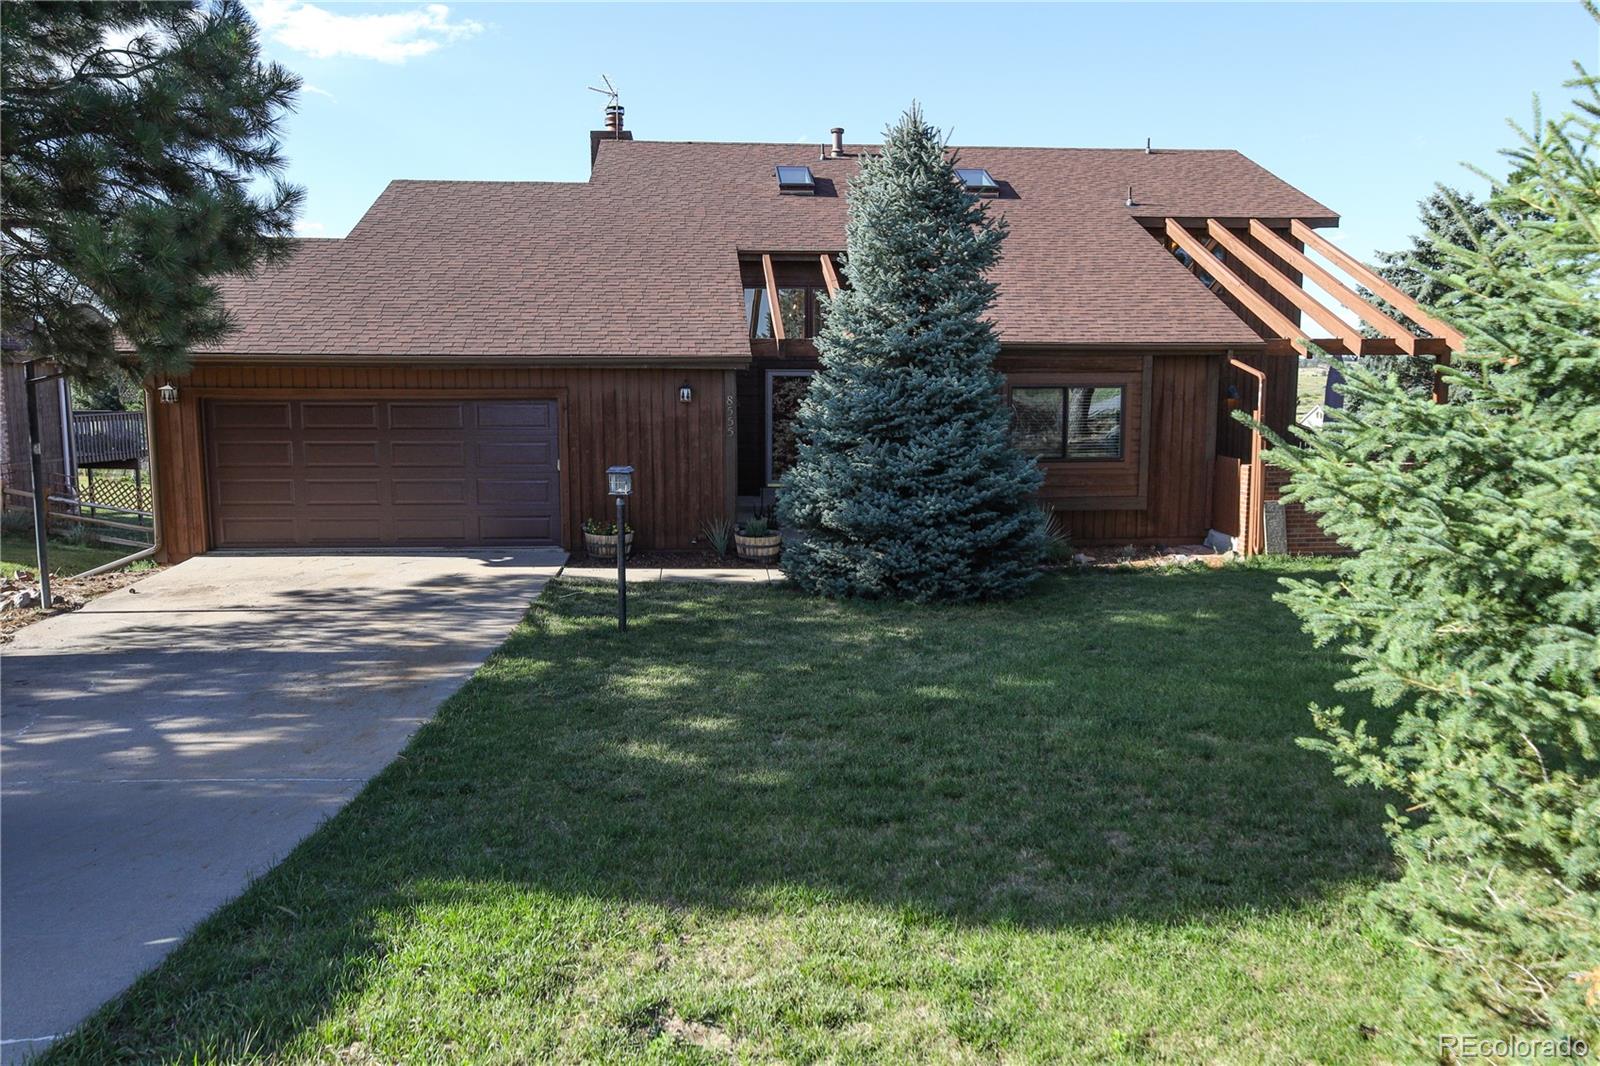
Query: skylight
(978, 181)
(796, 180)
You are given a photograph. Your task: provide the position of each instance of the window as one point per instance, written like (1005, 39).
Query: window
(757, 314)
(792, 306)
(802, 309)
(1079, 423)
(978, 181)
(795, 180)
(785, 390)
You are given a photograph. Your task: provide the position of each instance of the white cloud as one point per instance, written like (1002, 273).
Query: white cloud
(317, 90)
(310, 229)
(392, 37)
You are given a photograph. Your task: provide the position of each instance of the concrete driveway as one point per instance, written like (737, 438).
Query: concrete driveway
(173, 739)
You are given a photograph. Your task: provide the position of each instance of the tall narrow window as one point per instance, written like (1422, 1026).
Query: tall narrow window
(819, 309)
(792, 305)
(785, 390)
(757, 313)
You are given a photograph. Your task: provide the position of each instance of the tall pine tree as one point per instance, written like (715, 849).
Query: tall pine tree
(907, 484)
(1473, 604)
(133, 135)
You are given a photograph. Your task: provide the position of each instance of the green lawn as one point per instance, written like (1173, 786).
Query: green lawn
(17, 555)
(1071, 828)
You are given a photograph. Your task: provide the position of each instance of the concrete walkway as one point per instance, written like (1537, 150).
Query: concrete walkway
(733, 575)
(173, 739)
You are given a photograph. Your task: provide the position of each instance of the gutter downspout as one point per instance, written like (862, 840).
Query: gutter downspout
(1254, 533)
(155, 502)
(69, 446)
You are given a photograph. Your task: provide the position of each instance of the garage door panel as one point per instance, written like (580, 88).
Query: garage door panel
(507, 528)
(257, 530)
(346, 529)
(343, 492)
(428, 454)
(357, 472)
(340, 453)
(246, 491)
(325, 415)
(444, 490)
(495, 492)
(258, 415)
(517, 453)
(431, 530)
(522, 415)
(253, 454)
(426, 416)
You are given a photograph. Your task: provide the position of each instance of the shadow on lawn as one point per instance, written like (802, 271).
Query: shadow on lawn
(1113, 748)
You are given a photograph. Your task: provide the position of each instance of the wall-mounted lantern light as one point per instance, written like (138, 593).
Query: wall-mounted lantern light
(620, 481)
(685, 393)
(168, 393)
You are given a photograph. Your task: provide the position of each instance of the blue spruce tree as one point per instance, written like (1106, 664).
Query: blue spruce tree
(1473, 604)
(907, 484)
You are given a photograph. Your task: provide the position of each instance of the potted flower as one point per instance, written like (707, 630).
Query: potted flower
(757, 539)
(600, 539)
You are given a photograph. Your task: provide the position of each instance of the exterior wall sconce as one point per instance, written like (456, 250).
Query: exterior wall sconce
(685, 393)
(168, 393)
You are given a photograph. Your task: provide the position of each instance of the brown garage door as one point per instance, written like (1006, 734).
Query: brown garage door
(365, 472)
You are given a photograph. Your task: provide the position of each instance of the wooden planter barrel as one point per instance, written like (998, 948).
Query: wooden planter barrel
(603, 546)
(760, 549)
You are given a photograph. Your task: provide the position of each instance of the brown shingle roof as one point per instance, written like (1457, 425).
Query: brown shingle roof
(642, 261)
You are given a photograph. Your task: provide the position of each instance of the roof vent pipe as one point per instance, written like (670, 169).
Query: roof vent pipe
(1130, 202)
(838, 141)
(1147, 150)
(614, 118)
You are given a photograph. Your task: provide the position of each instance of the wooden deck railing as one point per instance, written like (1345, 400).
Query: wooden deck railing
(101, 437)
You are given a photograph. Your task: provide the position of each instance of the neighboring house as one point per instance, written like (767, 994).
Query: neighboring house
(463, 367)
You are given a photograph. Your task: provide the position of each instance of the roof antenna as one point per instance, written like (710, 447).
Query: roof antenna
(1147, 150)
(1130, 202)
(613, 106)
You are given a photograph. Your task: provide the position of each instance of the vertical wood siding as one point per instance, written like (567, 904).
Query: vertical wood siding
(1180, 439)
(679, 451)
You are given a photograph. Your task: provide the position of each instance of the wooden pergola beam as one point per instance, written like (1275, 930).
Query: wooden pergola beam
(1435, 346)
(830, 277)
(1237, 287)
(1334, 287)
(773, 311)
(1284, 285)
(1370, 278)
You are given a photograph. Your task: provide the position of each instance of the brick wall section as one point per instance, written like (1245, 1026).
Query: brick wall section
(1305, 536)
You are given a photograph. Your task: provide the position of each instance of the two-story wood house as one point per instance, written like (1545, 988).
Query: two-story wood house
(462, 368)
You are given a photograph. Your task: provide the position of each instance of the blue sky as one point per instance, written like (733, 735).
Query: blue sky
(1364, 106)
